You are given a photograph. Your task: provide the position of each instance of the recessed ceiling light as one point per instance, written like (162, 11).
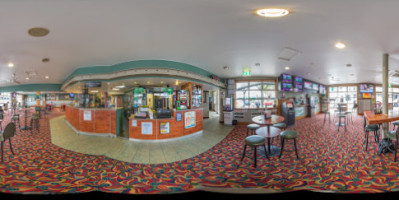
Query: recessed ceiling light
(225, 67)
(257, 64)
(272, 12)
(38, 32)
(115, 89)
(308, 73)
(120, 86)
(287, 68)
(340, 45)
(348, 65)
(45, 60)
(94, 91)
(27, 78)
(161, 82)
(10, 64)
(47, 77)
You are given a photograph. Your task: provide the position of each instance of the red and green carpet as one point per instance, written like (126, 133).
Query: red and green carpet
(329, 161)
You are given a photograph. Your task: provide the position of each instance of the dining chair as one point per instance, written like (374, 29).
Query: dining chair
(7, 134)
(393, 135)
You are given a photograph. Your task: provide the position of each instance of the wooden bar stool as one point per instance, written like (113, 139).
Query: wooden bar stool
(325, 117)
(251, 128)
(339, 121)
(254, 141)
(15, 118)
(34, 120)
(368, 129)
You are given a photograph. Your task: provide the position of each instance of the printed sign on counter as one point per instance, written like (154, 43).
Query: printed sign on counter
(178, 117)
(189, 119)
(87, 115)
(164, 127)
(146, 128)
(134, 122)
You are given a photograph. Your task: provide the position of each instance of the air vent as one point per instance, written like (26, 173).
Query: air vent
(288, 53)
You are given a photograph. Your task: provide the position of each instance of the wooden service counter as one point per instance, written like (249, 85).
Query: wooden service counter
(94, 121)
(182, 123)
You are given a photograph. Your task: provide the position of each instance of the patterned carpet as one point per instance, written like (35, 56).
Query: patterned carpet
(329, 161)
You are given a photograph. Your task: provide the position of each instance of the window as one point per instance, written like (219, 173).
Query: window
(393, 97)
(255, 94)
(343, 94)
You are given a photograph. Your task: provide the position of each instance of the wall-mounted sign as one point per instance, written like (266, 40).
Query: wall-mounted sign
(214, 77)
(93, 84)
(87, 115)
(246, 71)
(178, 117)
(134, 123)
(189, 119)
(164, 127)
(146, 128)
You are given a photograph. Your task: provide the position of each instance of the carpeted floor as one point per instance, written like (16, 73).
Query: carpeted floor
(329, 161)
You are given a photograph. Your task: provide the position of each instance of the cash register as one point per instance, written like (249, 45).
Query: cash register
(142, 113)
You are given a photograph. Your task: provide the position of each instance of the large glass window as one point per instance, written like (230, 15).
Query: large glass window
(343, 94)
(255, 94)
(393, 97)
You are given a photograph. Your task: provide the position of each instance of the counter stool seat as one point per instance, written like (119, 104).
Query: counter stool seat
(339, 120)
(34, 120)
(392, 135)
(371, 128)
(254, 141)
(252, 128)
(288, 135)
(281, 125)
(325, 117)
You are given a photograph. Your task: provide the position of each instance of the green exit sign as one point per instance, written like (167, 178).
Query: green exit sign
(246, 71)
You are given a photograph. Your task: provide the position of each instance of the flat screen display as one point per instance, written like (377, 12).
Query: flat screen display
(366, 95)
(298, 84)
(322, 89)
(315, 86)
(286, 78)
(71, 95)
(287, 86)
(366, 88)
(307, 85)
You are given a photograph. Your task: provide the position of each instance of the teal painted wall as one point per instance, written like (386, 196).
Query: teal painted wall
(139, 64)
(31, 87)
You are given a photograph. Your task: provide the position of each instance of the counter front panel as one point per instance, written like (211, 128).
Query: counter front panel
(97, 121)
(184, 122)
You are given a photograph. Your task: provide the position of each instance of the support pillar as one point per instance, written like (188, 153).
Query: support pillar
(385, 126)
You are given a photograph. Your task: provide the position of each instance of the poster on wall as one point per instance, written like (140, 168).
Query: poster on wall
(87, 115)
(146, 128)
(134, 123)
(178, 117)
(164, 127)
(189, 119)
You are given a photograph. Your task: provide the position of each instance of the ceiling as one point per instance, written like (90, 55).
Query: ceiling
(205, 33)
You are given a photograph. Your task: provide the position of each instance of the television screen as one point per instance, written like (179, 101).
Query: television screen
(307, 85)
(315, 86)
(298, 87)
(322, 89)
(71, 95)
(366, 95)
(287, 78)
(287, 87)
(366, 88)
(298, 79)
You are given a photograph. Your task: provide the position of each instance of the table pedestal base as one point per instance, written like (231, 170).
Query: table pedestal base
(275, 151)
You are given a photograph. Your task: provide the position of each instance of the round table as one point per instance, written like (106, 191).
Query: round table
(268, 131)
(26, 127)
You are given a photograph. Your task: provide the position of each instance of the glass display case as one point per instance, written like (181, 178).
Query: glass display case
(182, 101)
(196, 96)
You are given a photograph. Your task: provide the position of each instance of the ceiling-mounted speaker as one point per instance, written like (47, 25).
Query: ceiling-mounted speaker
(288, 53)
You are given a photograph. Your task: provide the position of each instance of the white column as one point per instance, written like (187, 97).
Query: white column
(385, 91)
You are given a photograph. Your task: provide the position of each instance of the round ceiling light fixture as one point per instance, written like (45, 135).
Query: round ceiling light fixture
(287, 67)
(272, 12)
(225, 67)
(46, 77)
(348, 65)
(45, 60)
(340, 45)
(10, 64)
(38, 32)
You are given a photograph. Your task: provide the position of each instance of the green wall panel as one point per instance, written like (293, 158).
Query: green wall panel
(31, 88)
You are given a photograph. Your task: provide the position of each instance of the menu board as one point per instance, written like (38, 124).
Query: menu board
(286, 86)
(307, 85)
(298, 84)
(286, 82)
(286, 78)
